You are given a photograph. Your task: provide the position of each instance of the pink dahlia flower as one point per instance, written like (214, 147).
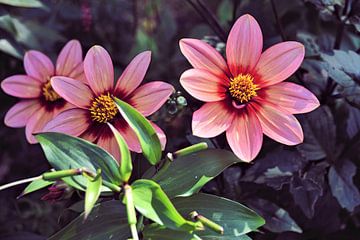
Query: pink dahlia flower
(95, 107)
(39, 102)
(245, 95)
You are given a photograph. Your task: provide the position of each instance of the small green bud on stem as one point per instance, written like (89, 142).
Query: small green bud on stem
(207, 222)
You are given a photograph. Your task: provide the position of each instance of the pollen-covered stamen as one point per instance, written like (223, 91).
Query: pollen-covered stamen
(49, 93)
(242, 88)
(103, 109)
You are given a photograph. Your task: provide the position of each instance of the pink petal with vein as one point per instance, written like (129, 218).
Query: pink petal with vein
(161, 135)
(279, 62)
(148, 98)
(108, 142)
(204, 85)
(72, 122)
(69, 58)
(72, 91)
(245, 135)
(291, 97)
(133, 74)
(99, 70)
(203, 56)
(22, 86)
(129, 135)
(212, 119)
(244, 45)
(280, 126)
(38, 65)
(21, 112)
(36, 123)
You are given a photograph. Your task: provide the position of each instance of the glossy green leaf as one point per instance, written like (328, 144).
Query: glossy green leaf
(157, 232)
(67, 152)
(235, 218)
(35, 185)
(92, 193)
(126, 164)
(149, 141)
(193, 171)
(107, 220)
(151, 201)
(23, 3)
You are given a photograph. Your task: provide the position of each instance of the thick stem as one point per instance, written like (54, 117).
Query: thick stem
(130, 210)
(12, 184)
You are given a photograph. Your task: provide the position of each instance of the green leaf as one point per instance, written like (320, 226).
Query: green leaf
(155, 231)
(92, 193)
(126, 164)
(107, 220)
(149, 141)
(193, 171)
(23, 3)
(277, 219)
(35, 185)
(11, 48)
(67, 152)
(235, 218)
(152, 202)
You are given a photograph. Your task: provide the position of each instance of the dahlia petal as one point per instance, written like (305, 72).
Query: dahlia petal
(99, 70)
(36, 123)
(69, 58)
(72, 91)
(108, 142)
(133, 74)
(161, 135)
(278, 125)
(291, 97)
(38, 65)
(22, 86)
(21, 112)
(244, 45)
(279, 62)
(211, 119)
(148, 98)
(203, 56)
(129, 135)
(72, 122)
(204, 85)
(245, 135)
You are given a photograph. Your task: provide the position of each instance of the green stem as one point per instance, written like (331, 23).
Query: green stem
(130, 210)
(191, 149)
(207, 222)
(12, 184)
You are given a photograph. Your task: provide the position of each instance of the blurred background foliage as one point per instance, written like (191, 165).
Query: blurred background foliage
(304, 192)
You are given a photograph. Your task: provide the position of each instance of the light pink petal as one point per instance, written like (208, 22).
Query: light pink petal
(89, 135)
(21, 112)
(244, 45)
(245, 135)
(148, 98)
(72, 91)
(212, 119)
(22, 86)
(133, 74)
(161, 135)
(78, 74)
(129, 135)
(291, 97)
(99, 70)
(203, 56)
(204, 85)
(72, 122)
(108, 142)
(38, 65)
(280, 126)
(36, 123)
(69, 58)
(63, 108)
(279, 62)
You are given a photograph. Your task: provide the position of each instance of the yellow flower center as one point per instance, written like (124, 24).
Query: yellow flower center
(103, 109)
(242, 88)
(48, 92)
